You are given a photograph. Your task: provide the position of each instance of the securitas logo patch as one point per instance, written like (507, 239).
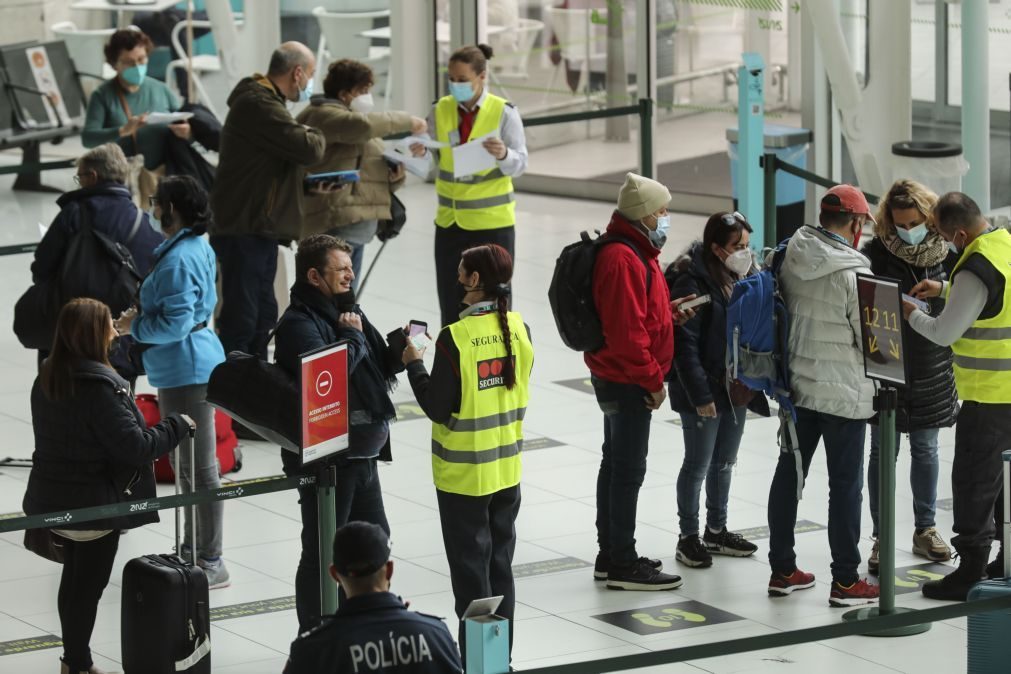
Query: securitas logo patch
(489, 373)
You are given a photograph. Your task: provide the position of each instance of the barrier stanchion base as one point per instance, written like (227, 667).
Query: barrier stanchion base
(875, 611)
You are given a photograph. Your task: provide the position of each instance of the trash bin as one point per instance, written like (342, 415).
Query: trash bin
(789, 144)
(939, 166)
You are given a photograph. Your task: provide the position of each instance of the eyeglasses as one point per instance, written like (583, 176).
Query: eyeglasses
(79, 176)
(152, 201)
(733, 219)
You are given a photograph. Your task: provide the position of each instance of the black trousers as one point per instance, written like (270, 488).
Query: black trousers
(982, 433)
(87, 566)
(359, 498)
(479, 533)
(248, 304)
(450, 242)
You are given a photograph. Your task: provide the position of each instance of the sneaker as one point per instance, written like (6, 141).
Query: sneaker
(603, 565)
(641, 576)
(728, 543)
(782, 585)
(855, 594)
(874, 561)
(216, 572)
(956, 585)
(928, 543)
(691, 552)
(995, 569)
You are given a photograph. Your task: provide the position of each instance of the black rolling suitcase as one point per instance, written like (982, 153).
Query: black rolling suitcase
(166, 615)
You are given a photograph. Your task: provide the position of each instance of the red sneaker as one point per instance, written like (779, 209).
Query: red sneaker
(781, 585)
(860, 592)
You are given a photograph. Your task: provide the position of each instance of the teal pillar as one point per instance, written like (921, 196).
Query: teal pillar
(751, 125)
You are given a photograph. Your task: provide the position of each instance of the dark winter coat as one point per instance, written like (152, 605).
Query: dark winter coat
(309, 323)
(94, 449)
(698, 376)
(935, 403)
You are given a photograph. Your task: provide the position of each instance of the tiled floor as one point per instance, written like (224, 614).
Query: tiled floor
(556, 615)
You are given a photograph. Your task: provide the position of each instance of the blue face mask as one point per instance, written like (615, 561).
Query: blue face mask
(305, 94)
(913, 236)
(658, 236)
(461, 91)
(135, 74)
(155, 222)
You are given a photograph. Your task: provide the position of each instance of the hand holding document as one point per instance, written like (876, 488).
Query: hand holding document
(400, 154)
(425, 140)
(472, 157)
(167, 117)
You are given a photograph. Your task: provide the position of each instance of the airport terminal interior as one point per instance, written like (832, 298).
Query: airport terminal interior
(554, 58)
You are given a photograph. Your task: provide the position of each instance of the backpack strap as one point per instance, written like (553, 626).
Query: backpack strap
(610, 238)
(135, 228)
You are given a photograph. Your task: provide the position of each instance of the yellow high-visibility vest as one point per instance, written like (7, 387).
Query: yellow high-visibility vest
(477, 452)
(481, 201)
(983, 353)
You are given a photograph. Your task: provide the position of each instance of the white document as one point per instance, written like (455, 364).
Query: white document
(425, 140)
(45, 81)
(167, 117)
(419, 166)
(471, 157)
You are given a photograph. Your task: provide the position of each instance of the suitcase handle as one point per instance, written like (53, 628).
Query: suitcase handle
(191, 431)
(1006, 534)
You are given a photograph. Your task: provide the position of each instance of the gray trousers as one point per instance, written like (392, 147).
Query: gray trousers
(192, 400)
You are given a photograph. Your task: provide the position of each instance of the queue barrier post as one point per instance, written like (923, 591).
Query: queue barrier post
(326, 509)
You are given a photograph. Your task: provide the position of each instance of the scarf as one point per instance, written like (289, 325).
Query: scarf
(928, 253)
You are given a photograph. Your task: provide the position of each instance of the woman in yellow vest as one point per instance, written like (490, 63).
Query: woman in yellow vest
(476, 208)
(476, 398)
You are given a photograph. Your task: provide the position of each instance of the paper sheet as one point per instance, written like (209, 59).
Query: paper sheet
(425, 140)
(167, 117)
(471, 157)
(419, 166)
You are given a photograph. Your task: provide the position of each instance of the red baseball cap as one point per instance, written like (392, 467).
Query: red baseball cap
(846, 199)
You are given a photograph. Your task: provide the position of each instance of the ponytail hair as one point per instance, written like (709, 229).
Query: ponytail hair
(494, 266)
(476, 56)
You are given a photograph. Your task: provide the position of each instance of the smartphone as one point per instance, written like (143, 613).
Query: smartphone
(335, 177)
(697, 302)
(416, 332)
(920, 304)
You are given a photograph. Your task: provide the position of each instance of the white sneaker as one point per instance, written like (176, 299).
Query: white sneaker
(216, 572)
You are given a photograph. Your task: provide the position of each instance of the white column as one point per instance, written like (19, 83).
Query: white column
(412, 25)
(261, 35)
(976, 101)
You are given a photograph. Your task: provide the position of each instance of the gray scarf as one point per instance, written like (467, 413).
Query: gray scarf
(928, 253)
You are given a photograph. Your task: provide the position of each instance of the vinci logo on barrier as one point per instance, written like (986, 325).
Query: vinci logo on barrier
(489, 373)
(324, 402)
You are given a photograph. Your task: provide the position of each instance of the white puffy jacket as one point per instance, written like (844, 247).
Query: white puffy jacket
(819, 285)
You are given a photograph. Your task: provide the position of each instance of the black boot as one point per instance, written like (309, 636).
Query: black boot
(956, 585)
(995, 569)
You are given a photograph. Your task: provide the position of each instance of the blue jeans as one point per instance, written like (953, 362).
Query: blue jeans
(844, 453)
(923, 470)
(622, 467)
(711, 445)
(248, 305)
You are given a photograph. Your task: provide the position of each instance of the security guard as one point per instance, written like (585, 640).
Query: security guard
(976, 323)
(372, 631)
(476, 398)
(479, 208)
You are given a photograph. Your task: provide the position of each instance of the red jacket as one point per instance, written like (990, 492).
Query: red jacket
(638, 329)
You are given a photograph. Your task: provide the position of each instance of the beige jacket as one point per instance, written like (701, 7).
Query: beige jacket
(353, 141)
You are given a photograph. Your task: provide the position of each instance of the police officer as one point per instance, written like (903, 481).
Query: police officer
(479, 208)
(976, 323)
(372, 631)
(476, 398)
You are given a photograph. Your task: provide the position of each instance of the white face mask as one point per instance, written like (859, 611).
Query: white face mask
(363, 103)
(739, 262)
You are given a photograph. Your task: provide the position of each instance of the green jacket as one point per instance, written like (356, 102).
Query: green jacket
(353, 141)
(264, 154)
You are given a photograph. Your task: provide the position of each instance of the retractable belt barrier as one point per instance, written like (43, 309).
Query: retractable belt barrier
(240, 489)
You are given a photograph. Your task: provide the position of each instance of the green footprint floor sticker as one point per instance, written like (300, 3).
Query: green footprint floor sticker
(911, 578)
(668, 617)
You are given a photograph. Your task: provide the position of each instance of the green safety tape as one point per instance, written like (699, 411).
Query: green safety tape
(753, 5)
(812, 177)
(18, 248)
(242, 489)
(35, 168)
(582, 116)
(779, 639)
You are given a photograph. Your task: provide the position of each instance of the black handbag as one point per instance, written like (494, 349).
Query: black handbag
(390, 229)
(44, 543)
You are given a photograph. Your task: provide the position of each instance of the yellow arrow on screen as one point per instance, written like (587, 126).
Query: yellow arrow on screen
(893, 349)
(872, 343)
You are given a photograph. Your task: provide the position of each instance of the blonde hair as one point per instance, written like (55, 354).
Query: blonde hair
(904, 194)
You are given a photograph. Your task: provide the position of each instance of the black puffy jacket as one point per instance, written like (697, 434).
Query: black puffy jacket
(94, 449)
(935, 402)
(698, 376)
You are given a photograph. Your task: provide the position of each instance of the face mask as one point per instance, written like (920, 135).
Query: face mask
(461, 91)
(914, 235)
(363, 103)
(953, 248)
(658, 236)
(857, 235)
(739, 262)
(345, 301)
(155, 222)
(134, 74)
(305, 94)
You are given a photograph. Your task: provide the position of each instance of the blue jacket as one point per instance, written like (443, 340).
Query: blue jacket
(176, 297)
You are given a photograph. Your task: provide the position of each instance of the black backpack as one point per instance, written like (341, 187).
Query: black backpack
(93, 266)
(571, 291)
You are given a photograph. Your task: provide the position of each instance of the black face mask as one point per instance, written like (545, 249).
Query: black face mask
(345, 301)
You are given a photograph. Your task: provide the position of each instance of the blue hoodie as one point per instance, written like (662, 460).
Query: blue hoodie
(177, 296)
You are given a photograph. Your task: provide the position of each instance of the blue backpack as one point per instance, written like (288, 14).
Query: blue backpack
(758, 328)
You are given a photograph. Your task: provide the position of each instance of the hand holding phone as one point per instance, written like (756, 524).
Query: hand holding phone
(697, 302)
(919, 304)
(417, 334)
